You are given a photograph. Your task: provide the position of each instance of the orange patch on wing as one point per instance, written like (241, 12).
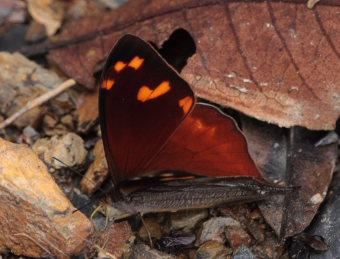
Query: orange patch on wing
(136, 62)
(119, 66)
(145, 93)
(108, 83)
(186, 103)
(209, 130)
(199, 124)
(166, 179)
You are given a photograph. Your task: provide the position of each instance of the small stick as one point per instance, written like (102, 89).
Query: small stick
(38, 101)
(312, 3)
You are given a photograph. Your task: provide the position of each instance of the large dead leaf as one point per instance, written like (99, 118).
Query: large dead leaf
(327, 223)
(275, 60)
(291, 156)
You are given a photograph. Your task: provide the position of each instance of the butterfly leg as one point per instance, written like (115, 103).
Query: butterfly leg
(102, 253)
(147, 229)
(94, 213)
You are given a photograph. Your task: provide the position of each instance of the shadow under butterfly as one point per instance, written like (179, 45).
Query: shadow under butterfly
(165, 152)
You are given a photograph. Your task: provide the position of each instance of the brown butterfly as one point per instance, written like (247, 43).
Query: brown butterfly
(165, 151)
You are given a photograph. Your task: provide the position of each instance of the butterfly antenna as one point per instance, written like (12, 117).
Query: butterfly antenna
(61, 162)
(74, 171)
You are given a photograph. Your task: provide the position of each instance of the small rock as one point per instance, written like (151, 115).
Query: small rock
(145, 252)
(49, 121)
(35, 32)
(29, 136)
(59, 129)
(67, 120)
(243, 252)
(68, 148)
(256, 214)
(12, 11)
(187, 219)
(87, 116)
(213, 229)
(115, 242)
(268, 248)
(257, 231)
(36, 218)
(236, 236)
(153, 227)
(48, 13)
(97, 172)
(211, 249)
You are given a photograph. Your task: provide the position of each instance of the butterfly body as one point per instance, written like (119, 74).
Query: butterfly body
(201, 192)
(152, 126)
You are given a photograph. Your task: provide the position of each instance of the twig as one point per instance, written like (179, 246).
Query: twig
(38, 101)
(312, 3)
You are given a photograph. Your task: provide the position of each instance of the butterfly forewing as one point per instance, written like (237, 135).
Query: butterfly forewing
(142, 102)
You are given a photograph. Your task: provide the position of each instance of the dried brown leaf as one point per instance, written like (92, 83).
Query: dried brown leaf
(291, 156)
(276, 60)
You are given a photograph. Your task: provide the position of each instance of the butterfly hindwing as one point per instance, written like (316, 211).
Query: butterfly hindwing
(142, 102)
(209, 144)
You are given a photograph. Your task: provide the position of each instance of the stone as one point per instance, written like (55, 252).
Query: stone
(211, 249)
(36, 218)
(145, 252)
(97, 172)
(243, 252)
(213, 229)
(187, 219)
(153, 227)
(236, 235)
(68, 148)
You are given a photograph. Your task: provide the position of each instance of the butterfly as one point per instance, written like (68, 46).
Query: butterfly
(165, 151)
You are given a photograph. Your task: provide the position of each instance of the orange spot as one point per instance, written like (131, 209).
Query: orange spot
(177, 178)
(119, 66)
(108, 83)
(136, 62)
(145, 93)
(186, 103)
(199, 124)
